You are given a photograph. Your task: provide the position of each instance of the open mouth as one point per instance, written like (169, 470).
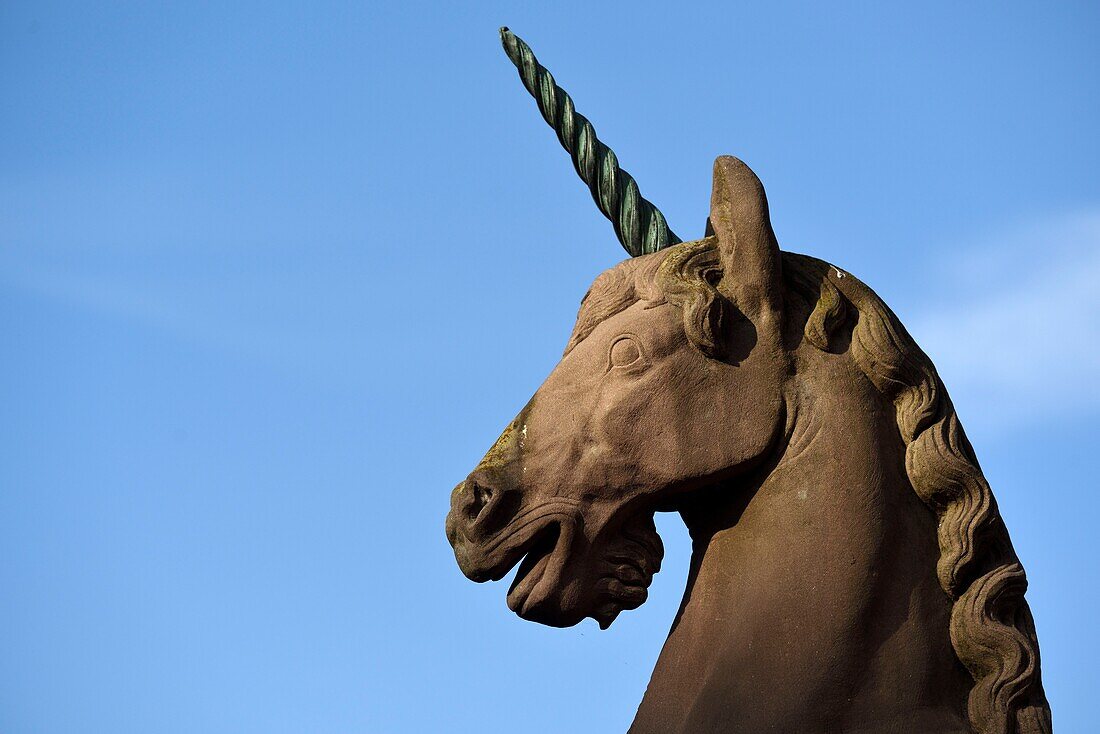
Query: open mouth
(540, 571)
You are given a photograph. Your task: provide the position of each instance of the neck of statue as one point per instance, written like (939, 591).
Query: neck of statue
(812, 591)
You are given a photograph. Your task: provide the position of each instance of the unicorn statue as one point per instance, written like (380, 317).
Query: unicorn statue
(850, 571)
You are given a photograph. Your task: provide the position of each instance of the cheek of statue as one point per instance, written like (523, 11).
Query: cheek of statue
(652, 430)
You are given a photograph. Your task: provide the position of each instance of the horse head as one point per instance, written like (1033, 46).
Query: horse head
(667, 347)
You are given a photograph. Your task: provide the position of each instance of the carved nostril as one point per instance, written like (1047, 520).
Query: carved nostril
(479, 498)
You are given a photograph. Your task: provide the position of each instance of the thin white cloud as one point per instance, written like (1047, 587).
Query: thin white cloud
(1022, 341)
(125, 300)
(210, 320)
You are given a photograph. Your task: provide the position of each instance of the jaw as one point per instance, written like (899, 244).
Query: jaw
(563, 576)
(557, 586)
(536, 593)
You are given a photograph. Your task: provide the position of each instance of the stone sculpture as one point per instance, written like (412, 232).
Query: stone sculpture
(850, 571)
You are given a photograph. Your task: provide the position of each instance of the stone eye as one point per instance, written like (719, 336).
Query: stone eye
(624, 352)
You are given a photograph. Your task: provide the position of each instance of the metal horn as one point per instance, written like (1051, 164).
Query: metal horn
(640, 226)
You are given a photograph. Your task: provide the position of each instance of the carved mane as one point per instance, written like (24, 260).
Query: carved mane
(991, 628)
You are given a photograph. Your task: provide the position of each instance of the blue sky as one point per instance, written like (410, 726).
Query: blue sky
(273, 277)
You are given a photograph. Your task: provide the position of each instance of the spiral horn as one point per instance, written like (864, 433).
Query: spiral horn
(639, 225)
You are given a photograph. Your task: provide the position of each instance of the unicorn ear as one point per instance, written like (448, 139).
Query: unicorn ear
(751, 262)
